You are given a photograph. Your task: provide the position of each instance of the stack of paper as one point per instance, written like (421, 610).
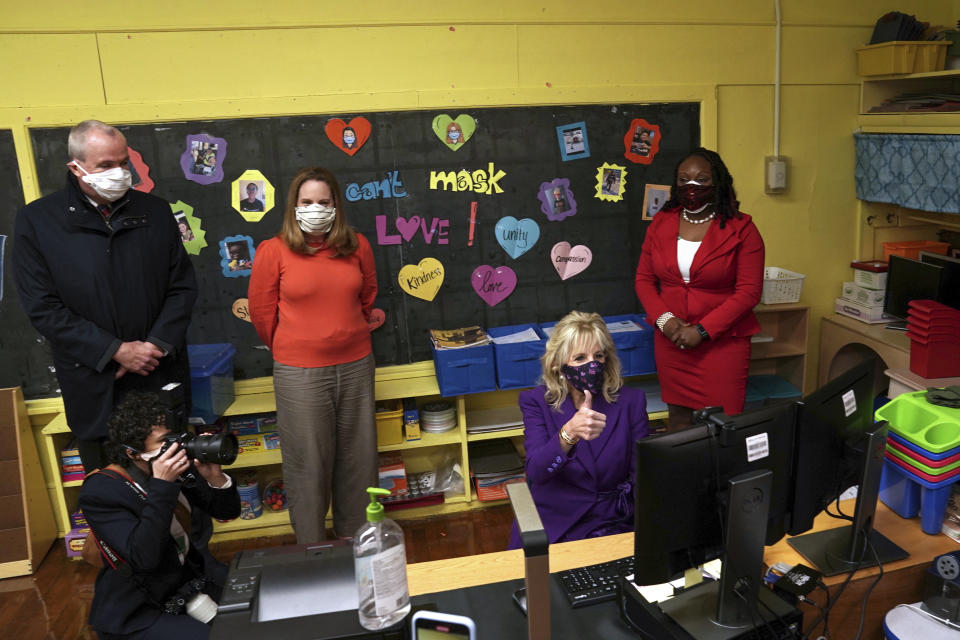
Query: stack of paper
(458, 338)
(494, 464)
(500, 419)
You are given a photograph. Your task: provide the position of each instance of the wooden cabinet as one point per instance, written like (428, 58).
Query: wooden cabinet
(26, 523)
(781, 347)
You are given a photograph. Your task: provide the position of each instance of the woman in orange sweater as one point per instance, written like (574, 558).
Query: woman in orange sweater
(311, 292)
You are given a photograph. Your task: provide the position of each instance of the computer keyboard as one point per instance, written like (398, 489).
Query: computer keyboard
(584, 586)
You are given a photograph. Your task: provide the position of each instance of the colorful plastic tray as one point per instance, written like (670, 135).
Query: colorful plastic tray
(917, 464)
(926, 425)
(891, 436)
(932, 482)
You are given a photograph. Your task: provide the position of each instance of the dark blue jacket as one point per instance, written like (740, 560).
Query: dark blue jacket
(88, 284)
(138, 530)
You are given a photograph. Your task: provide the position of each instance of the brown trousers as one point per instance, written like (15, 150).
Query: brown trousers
(328, 436)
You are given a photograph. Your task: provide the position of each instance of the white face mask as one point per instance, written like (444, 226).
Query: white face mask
(110, 184)
(316, 218)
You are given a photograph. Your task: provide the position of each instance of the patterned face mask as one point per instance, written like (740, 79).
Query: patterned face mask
(585, 377)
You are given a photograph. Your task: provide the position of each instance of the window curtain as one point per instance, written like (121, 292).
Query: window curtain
(913, 171)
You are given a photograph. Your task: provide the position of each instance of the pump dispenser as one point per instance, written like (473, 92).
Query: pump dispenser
(380, 560)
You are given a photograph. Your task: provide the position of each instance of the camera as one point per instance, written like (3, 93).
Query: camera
(220, 448)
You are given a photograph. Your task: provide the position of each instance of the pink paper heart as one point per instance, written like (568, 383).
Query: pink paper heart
(377, 318)
(569, 261)
(408, 228)
(493, 285)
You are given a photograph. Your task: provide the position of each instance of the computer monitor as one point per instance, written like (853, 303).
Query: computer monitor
(909, 280)
(838, 446)
(950, 279)
(718, 489)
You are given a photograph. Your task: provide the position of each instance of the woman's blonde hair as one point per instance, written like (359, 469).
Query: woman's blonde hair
(341, 238)
(574, 329)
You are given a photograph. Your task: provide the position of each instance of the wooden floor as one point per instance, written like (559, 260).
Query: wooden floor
(54, 603)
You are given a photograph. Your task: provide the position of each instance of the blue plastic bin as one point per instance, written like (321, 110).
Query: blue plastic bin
(772, 388)
(635, 348)
(517, 364)
(467, 370)
(211, 381)
(933, 496)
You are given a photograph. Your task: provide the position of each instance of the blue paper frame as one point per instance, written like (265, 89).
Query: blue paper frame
(226, 259)
(570, 151)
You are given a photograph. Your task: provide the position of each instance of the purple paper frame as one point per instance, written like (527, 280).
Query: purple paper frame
(187, 164)
(545, 195)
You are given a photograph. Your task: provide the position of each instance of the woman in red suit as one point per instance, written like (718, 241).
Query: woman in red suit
(699, 277)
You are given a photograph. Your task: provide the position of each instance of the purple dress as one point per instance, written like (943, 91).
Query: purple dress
(589, 492)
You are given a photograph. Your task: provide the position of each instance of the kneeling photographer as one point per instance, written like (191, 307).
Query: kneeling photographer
(150, 512)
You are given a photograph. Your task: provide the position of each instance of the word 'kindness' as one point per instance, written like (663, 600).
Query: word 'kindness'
(479, 181)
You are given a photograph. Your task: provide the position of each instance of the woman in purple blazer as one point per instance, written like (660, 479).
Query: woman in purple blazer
(580, 426)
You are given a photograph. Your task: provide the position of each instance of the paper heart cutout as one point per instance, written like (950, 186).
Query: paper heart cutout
(569, 261)
(408, 228)
(377, 318)
(493, 285)
(516, 236)
(361, 127)
(464, 123)
(422, 280)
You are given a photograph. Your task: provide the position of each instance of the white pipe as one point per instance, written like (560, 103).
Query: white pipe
(776, 85)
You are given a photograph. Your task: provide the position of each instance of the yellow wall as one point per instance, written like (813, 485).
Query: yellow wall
(182, 59)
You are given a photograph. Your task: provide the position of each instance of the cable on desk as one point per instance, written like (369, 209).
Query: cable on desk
(753, 609)
(866, 594)
(839, 515)
(836, 598)
(826, 634)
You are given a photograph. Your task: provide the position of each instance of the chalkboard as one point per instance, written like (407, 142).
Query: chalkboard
(402, 150)
(26, 356)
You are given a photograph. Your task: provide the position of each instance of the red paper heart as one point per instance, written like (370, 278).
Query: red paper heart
(377, 318)
(361, 127)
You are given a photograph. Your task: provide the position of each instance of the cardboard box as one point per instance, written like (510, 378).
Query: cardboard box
(870, 279)
(870, 315)
(393, 473)
(75, 540)
(862, 295)
(255, 442)
(78, 520)
(411, 420)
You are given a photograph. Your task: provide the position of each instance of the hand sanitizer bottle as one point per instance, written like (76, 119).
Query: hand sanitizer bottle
(380, 560)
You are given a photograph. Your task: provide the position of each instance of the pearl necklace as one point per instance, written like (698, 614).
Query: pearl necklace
(684, 215)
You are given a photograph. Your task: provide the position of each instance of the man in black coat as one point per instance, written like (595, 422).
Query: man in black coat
(155, 527)
(103, 276)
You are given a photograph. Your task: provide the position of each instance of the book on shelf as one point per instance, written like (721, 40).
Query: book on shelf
(458, 338)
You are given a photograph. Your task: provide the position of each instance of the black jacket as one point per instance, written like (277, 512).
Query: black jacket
(138, 530)
(88, 284)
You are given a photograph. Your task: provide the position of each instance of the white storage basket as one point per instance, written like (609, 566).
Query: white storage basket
(781, 286)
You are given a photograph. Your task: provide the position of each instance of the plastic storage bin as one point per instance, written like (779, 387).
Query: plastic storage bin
(211, 381)
(634, 348)
(467, 370)
(900, 56)
(899, 492)
(781, 286)
(912, 248)
(518, 363)
(389, 423)
(933, 495)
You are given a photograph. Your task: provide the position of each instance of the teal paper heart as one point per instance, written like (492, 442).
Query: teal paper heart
(516, 236)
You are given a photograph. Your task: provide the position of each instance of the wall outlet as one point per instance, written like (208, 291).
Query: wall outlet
(775, 174)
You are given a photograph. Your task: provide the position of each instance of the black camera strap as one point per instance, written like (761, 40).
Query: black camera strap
(117, 563)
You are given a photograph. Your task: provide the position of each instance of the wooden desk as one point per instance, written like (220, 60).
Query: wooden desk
(844, 342)
(902, 580)
(906, 381)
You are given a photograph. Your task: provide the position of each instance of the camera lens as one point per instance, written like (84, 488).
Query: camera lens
(221, 448)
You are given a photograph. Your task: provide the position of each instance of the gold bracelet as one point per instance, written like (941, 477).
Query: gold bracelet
(566, 438)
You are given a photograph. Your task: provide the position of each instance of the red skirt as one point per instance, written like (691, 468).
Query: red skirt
(713, 374)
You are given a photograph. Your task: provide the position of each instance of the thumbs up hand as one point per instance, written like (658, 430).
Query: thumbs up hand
(586, 423)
